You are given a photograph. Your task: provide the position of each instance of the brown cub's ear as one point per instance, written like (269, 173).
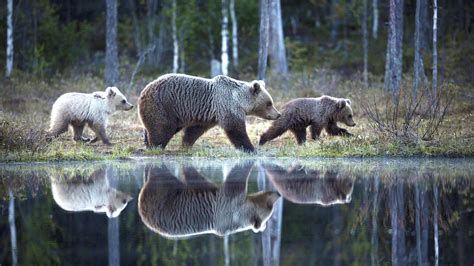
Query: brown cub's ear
(110, 92)
(341, 104)
(256, 87)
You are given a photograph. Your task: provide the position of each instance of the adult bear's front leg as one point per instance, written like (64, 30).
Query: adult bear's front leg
(236, 131)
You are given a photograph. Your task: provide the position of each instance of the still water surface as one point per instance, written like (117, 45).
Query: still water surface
(238, 212)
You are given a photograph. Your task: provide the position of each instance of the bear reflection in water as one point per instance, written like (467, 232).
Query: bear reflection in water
(195, 206)
(76, 193)
(307, 186)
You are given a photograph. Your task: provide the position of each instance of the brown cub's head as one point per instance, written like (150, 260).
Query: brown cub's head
(344, 112)
(117, 99)
(262, 102)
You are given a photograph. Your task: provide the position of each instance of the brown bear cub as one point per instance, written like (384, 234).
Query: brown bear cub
(318, 113)
(176, 101)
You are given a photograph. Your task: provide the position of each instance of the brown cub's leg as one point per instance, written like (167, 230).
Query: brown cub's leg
(236, 131)
(276, 129)
(192, 133)
(99, 131)
(300, 134)
(333, 130)
(315, 131)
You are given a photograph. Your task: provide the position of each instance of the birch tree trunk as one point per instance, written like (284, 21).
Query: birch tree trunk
(113, 227)
(11, 221)
(434, 83)
(225, 38)
(235, 37)
(111, 50)
(277, 51)
(397, 218)
(271, 237)
(393, 64)
(175, 38)
(418, 68)
(375, 19)
(263, 39)
(9, 63)
(374, 240)
(365, 43)
(435, 221)
(421, 224)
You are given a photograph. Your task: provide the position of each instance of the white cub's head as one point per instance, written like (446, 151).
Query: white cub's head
(344, 112)
(261, 104)
(117, 202)
(117, 100)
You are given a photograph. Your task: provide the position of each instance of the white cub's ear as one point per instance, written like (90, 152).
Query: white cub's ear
(257, 86)
(341, 103)
(348, 102)
(110, 91)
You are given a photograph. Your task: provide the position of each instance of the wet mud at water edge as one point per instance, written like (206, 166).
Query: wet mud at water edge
(238, 212)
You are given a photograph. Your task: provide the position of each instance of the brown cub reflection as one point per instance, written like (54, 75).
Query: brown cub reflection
(307, 186)
(177, 209)
(75, 192)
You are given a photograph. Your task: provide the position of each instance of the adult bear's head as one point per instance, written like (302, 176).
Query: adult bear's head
(261, 103)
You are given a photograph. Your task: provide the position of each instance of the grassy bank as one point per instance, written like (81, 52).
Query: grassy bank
(25, 107)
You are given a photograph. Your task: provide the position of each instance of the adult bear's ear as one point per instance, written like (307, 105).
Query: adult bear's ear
(257, 86)
(341, 103)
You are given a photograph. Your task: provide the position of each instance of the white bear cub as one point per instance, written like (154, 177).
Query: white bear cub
(93, 109)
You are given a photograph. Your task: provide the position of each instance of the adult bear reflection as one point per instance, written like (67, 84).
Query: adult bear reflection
(75, 192)
(307, 186)
(196, 206)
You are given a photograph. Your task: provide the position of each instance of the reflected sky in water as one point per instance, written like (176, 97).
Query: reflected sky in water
(238, 212)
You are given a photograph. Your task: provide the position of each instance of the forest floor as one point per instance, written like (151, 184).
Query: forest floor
(25, 107)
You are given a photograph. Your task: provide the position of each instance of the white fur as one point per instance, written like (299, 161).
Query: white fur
(95, 196)
(88, 107)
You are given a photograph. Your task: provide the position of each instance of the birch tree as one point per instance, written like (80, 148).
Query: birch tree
(434, 83)
(277, 51)
(9, 63)
(175, 38)
(263, 39)
(393, 63)
(225, 38)
(397, 219)
(375, 19)
(271, 236)
(235, 36)
(418, 68)
(111, 50)
(113, 227)
(11, 221)
(365, 43)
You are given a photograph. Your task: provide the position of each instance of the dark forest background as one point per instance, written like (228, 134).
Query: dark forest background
(68, 37)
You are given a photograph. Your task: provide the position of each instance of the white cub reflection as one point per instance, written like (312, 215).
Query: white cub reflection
(76, 192)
